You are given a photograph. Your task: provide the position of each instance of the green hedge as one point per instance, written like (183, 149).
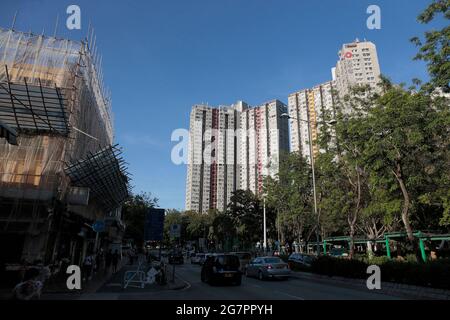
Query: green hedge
(434, 274)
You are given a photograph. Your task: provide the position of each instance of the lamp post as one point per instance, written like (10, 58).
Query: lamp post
(311, 155)
(264, 226)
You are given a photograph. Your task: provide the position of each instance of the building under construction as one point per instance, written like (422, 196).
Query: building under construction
(59, 170)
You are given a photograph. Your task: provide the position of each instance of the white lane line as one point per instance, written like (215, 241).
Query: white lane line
(188, 284)
(290, 295)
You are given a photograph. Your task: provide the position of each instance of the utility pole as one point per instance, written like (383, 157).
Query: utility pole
(265, 226)
(311, 155)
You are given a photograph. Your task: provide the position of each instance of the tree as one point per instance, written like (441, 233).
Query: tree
(134, 211)
(223, 230)
(436, 49)
(290, 192)
(246, 211)
(400, 146)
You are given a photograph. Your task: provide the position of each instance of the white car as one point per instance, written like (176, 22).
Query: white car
(198, 258)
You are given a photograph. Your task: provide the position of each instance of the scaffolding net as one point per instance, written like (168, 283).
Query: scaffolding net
(104, 173)
(32, 109)
(53, 108)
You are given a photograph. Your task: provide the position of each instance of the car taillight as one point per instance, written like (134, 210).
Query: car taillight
(269, 266)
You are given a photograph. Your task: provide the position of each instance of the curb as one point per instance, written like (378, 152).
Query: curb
(186, 285)
(399, 289)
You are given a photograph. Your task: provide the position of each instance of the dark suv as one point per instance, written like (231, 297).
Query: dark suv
(176, 257)
(222, 268)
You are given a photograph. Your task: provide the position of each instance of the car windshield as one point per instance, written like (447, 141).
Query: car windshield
(232, 261)
(273, 260)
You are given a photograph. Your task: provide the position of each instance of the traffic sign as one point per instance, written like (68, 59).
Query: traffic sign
(99, 226)
(154, 224)
(175, 230)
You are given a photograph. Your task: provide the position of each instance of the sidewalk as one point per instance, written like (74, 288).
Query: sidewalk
(115, 283)
(111, 288)
(389, 288)
(60, 290)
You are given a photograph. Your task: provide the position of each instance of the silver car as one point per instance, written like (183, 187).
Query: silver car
(267, 267)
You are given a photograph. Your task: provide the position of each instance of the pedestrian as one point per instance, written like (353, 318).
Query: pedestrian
(30, 288)
(131, 256)
(108, 260)
(115, 260)
(22, 270)
(44, 272)
(99, 258)
(87, 267)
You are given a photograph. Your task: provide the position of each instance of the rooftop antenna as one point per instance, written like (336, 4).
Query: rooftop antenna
(56, 26)
(14, 21)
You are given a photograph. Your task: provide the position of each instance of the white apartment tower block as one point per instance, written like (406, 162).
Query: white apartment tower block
(231, 148)
(357, 65)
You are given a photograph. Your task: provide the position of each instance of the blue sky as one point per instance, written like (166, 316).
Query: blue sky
(161, 57)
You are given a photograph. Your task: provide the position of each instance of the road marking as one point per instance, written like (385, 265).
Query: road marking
(188, 284)
(114, 285)
(290, 295)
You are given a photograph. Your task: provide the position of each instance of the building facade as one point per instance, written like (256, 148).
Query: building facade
(59, 173)
(315, 107)
(357, 65)
(230, 148)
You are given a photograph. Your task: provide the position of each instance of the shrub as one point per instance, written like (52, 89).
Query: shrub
(434, 274)
(339, 267)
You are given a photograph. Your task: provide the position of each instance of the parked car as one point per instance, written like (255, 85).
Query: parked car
(203, 259)
(197, 258)
(176, 257)
(267, 267)
(301, 259)
(244, 258)
(221, 268)
(338, 252)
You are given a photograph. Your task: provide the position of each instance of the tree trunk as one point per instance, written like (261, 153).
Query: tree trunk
(351, 244)
(406, 203)
(405, 213)
(352, 220)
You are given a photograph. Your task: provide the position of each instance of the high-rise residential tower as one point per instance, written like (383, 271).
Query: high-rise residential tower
(357, 65)
(230, 148)
(315, 106)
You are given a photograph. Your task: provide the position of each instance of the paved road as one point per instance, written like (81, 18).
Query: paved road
(297, 289)
(291, 289)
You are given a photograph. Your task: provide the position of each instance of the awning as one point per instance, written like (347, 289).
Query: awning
(31, 109)
(8, 133)
(104, 173)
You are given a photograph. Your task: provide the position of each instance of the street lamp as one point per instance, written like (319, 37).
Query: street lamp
(331, 122)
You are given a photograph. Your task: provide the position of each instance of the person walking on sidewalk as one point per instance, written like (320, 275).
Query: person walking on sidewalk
(131, 256)
(108, 260)
(99, 259)
(87, 266)
(115, 260)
